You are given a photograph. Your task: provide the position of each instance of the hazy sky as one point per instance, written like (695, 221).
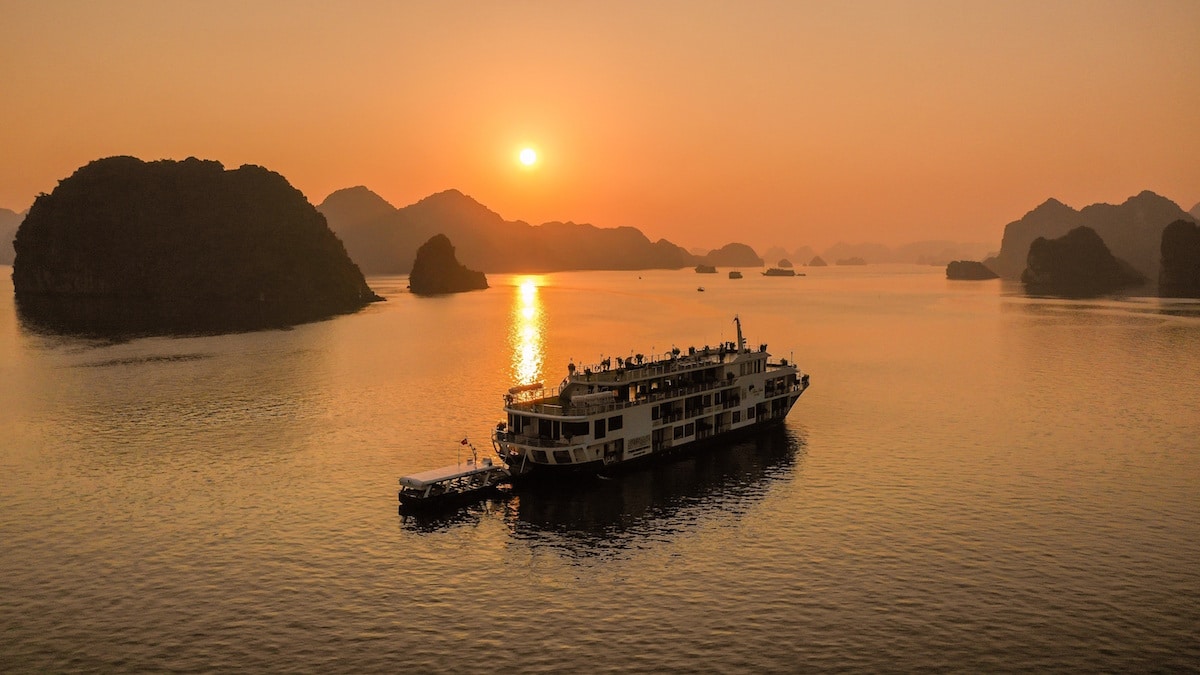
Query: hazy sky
(703, 122)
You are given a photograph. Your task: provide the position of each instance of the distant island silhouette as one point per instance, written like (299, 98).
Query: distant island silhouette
(436, 270)
(969, 270)
(1180, 274)
(732, 255)
(1131, 231)
(179, 246)
(9, 221)
(1077, 264)
(384, 239)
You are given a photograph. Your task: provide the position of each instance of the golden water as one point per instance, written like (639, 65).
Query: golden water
(976, 480)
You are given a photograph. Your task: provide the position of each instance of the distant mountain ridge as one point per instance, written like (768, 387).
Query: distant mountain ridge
(1132, 231)
(383, 239)
(9, 222)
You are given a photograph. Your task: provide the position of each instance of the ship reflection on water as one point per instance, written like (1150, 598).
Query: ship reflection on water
(527, 332)
(595, 516)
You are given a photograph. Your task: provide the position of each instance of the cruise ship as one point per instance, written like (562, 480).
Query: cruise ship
(600, 417)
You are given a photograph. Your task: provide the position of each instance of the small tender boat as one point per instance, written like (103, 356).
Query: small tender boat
(734, 274)
(457, 484)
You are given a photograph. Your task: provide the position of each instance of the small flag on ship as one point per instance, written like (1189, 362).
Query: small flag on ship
(464, 441)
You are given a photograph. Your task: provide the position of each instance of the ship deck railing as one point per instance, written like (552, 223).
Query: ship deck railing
(532, 441)
(559, 409)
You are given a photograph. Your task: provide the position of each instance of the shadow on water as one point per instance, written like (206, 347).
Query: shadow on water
(437, 521)
(1132, 308)
(662, 499)
(123, 320)
(604, 514)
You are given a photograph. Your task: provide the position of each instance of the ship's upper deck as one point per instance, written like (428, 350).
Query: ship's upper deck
(636, 380)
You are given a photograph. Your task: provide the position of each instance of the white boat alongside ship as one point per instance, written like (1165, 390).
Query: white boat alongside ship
(602, 417)
(454, 484)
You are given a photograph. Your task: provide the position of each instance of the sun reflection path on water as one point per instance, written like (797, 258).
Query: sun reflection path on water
(527, 332)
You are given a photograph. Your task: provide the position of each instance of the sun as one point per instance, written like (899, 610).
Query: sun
(528, 157)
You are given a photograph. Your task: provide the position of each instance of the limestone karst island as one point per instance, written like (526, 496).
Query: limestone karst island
(168, 246)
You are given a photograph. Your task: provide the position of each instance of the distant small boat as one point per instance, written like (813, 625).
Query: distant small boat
(735, 275)
(779, 272)
(700, 288)
(706, 269)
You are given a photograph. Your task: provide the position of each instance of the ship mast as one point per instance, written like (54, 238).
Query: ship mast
(741, 341)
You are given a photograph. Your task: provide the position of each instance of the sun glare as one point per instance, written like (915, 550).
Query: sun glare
(528, 156)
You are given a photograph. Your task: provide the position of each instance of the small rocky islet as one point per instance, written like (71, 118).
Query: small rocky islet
(436, 270)
(1077, 264)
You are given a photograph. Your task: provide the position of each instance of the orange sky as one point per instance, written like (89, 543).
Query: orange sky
(702, 122)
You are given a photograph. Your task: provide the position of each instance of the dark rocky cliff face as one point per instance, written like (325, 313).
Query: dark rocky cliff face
(1078, 264)
(436, 270)
(180, 240)
(1180, 274)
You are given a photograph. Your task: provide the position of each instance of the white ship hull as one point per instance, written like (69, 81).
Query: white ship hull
(603, 418)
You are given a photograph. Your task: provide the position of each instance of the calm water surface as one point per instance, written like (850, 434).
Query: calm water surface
(975, 481)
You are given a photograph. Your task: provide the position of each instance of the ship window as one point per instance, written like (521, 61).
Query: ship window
(539, 456)
(749, 413)
(737, 416)
(689, 429)
(616, 422)
(562, 457)
(655, 413)
(678, 433)
(544, 428)
(707, 400)
(599, 433)
(575, 428)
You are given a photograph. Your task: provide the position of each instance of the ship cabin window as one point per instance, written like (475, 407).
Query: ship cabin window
(572, 429)
(544, 428)
(616, 422)
(689, 429)
(655, 413)
(562, 457)
(737, 416)
(599, 429)
(539, 456)
(707, 401)
(750, 413)
(678, 432)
